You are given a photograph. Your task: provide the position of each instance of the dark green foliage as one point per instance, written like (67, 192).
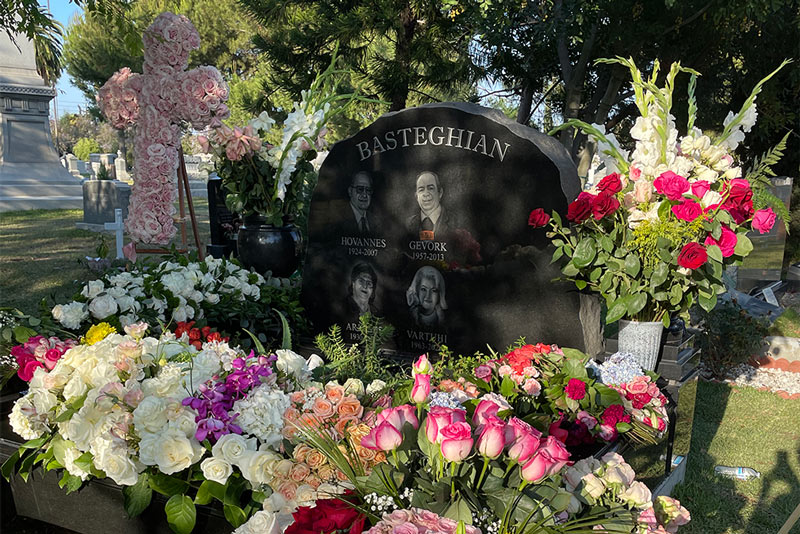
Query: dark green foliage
(360, 359)
(731, 337)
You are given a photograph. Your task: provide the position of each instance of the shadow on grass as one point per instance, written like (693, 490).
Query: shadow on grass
(742, 427)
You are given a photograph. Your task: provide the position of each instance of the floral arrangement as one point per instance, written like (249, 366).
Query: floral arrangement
(654, 236)
(39, 352)
(275, 179)
(157, 100)
(216, 291)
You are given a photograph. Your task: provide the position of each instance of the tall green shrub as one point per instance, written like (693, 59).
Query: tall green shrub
(84, 147)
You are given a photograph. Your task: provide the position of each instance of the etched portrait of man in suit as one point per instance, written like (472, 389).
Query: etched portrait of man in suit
(360, 193)
(431, 221)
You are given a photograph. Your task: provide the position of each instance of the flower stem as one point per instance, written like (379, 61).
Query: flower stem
(483, 473)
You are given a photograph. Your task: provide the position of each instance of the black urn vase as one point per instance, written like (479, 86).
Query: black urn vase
(264, 247)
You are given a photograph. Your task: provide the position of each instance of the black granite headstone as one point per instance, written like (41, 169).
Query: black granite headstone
(223, 223)
(421, 218)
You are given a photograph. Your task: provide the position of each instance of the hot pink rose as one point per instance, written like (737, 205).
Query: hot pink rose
(700, 188)
(438, 418)
(687, 210)
(523, 438)
(764, 220)
(536, 468)
(456, 441)
(421, 389)
(491, 440)
(557, 451)
(726, 242)
(26, 372)
(671, 185)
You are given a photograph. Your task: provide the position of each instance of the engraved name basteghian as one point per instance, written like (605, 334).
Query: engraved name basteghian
(436, 136)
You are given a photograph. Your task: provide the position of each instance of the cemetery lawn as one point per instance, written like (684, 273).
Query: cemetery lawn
(742, 427)
(42, 254)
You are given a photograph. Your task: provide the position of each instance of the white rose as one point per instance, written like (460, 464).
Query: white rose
(116, 292)
(305, 495)
(290, 363)
(151, 414)
(118, 467)
(179, 314)
(212, 298)
(375, 386)
(126, 303)
(619, 474)
(71, 315)
(170, 450)
(92, 289)
(216, 469)
(103, 306)
(637, 494)
(184, 420)
(80, 430)
(354, 386)
(262, 522)
(710, 198)
(593, 486)
(257, 466)
(231, 447)
(43, 401)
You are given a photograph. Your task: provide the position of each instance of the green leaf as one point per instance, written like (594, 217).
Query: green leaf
(660, 274)
(181, 514)
(606, 243)
(580, 284)
(623, 427)
(617, 310)
(585, 252)
(707, 303)
(636, 303)
(167, 485)
(70, 482)
(632, 265)
(664, 209)
(557, 254)
(138, 496)
(459, 511)
(234, 515)
(507, 387)
(743, 245)
(286, 340)
(569, 270)
(714, 253)
(209, 490)
(595, 275)
(23, 333)
(8, 465)
(575, 368)
(666, 320)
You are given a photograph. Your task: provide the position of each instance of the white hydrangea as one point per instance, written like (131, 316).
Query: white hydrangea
(261, 414)
(25, 421)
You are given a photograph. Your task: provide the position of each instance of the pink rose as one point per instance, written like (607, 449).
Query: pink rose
(456, 441)
(671, 185)
(438, 418)
(399, 416)
(483, 411)
(484, 372)
(687, 210)
(536, 468)
(532, 387)
(764, 220)
(421, 389)
(635, 173)
(642, 191)
(491, 440)
(26, 372)
(636, 387)
(51, 357)
(557, 451)
(726, 243)
(587, 419)
(524, 439)
(383, 437)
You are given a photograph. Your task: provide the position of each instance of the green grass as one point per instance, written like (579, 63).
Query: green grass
(41, 254)
(742, 427)
(788, 324)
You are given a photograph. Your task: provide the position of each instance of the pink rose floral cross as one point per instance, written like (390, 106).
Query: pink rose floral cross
(157, 101)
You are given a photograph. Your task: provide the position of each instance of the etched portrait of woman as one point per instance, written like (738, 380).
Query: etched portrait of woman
(361, 289)
(426, 298)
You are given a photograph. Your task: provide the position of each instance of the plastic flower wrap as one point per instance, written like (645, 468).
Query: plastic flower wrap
(655, 234)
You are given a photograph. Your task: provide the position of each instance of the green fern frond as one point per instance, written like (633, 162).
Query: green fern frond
(761, 171)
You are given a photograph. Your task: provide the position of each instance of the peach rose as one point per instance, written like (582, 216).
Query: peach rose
(341, 476)
(334, 393)
(313, 481)
(343, 422)
(380, 457)
(350, 407)
(301, 452)
(297, 397)
(315, 459)
(326, 473)
(283, 468)
(365, 453)
(309, 419)
(291, 414)
(299, 472)
(322, 408)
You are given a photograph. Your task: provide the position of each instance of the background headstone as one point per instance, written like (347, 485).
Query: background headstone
(102, 197)
(221, 220)
(31, 175)
(477, 274)
(120, 167)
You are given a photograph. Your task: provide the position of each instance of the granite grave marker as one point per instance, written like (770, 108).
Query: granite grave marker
(421, 218)
(222, 222)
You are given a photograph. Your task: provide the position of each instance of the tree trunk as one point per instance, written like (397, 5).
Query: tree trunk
(402, 57)
(525, 103)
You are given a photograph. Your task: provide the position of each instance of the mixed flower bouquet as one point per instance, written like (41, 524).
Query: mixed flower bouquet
(654, 236)
(275, 179)
(214, 291)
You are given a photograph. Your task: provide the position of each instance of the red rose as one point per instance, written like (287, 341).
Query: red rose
(671, 185)
(613, 414)
(610, 184)
(538, 218)
(764, 220)
(603, 204)
(739, 201)
(640, 400)
(206, 330)
(328, 516)
(687, 210)
(692, 255)
(194, 334)
(575, 389)
(700, 188)
(581, 208)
